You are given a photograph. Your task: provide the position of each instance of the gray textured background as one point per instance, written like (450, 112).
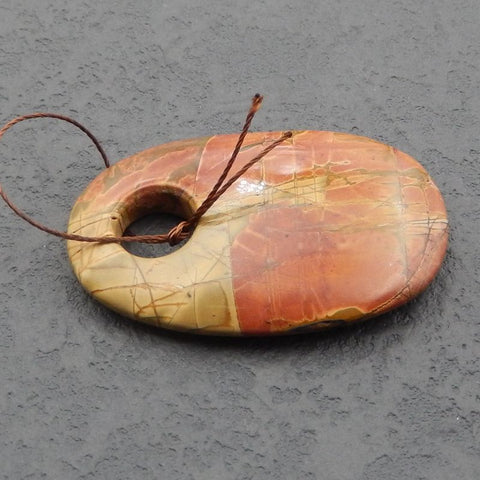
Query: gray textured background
(86, 394)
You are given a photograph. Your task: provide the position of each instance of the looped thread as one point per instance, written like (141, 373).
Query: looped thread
(185, 228)
(177, 233)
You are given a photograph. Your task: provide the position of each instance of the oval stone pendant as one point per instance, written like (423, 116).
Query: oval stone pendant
(327, 229)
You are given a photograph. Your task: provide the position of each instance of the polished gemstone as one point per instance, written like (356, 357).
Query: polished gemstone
(328, 228)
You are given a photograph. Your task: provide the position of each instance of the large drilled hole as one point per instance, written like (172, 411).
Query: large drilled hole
(154, 211)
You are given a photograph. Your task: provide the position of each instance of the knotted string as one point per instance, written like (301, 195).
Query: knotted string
(185, 228)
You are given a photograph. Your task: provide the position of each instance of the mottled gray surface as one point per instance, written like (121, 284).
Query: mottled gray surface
(86, 394)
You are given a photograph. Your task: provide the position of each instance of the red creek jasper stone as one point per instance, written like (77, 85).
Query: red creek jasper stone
(327, 229)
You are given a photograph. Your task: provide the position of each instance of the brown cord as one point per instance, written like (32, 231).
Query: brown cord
(185, 228)
(13, 122)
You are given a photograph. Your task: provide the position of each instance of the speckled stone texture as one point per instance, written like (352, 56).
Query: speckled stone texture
(86, 394)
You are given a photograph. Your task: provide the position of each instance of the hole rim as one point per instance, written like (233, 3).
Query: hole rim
(155, 201)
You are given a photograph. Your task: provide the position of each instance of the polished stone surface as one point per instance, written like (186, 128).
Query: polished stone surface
(327, 229)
